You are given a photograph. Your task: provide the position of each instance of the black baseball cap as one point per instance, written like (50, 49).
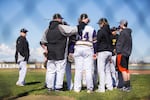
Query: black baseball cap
(113, 29)
(57, 15)
(83, 16)
(24, 30)
(102, 20)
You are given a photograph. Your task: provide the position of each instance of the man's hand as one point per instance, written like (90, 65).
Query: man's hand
(95, 56)
(70, 57)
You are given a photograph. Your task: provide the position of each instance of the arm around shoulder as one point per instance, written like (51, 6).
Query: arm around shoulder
(68, 30)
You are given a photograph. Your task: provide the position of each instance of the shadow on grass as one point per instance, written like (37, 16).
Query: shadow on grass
(25, 93)
(32, 83)
(30, 91)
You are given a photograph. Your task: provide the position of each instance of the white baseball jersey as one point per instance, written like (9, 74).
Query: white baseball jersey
(87, 37)
(83, 56)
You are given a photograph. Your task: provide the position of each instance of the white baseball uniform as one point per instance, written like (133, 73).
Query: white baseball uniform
(56, 68)
(83, 56)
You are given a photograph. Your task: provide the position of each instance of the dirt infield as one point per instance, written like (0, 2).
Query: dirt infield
(140, 71)
(43, 97)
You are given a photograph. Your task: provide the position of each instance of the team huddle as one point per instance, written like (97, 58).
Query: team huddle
(100, 58)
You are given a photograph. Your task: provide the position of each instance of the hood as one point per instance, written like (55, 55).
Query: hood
(128, 30)
(53, 24)
(106, 28)
(81, 27)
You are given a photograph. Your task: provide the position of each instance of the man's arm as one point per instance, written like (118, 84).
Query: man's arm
(44, 40)
(68, 30)
(119, 43)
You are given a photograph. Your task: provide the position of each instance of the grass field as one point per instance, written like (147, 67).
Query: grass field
(35, 82)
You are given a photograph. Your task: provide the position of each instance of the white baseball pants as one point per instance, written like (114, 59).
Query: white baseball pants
(55, 69)
(113, 70)
(83, 56)
(22, 72)
(104, 71)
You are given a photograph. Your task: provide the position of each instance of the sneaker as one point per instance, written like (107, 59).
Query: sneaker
(121, 89)
(110, 89)
(89, 91)
(58, 89)
(49, 89)
(71, 88)
(100, 91)
(77, 91)
(115, 87)
(19, 84)
(126, 89)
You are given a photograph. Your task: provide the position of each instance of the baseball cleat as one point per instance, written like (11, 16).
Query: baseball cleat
(100, 91)
(18, 84)
(77, 91)
(126, 89)
(49, 89)
(89, 91)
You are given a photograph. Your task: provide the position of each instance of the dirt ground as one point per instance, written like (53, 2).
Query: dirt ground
(140, 71)
(43, 97)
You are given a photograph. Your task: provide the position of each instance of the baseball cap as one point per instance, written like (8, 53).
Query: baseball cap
(123, 22)
(83, 16)
(113, 29)
(101, 20)
(57, 15)
(24, 30)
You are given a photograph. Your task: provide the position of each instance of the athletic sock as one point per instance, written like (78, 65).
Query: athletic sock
(128, 83)
(125, 83)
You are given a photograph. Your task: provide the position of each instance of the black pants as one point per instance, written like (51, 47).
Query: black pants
(120, 78)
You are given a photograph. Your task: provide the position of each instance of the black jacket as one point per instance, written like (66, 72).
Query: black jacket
(22, 47)
(104, 39)
(56, 42)
(124, 43)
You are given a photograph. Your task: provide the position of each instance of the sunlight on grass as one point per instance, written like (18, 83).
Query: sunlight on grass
(35, 86)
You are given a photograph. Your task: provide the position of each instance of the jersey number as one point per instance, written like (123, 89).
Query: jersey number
(86, 36)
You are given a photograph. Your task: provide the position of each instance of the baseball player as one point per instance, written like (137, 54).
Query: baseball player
(95, 73)
(114, 74)
(104, 50)
(123, 49)
(83, 53)
(22, 56)
(70, 60)
(43, 43)
(56, 44)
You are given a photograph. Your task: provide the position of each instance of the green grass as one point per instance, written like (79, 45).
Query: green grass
(35, 81)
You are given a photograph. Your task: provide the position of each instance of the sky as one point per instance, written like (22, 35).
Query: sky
(35, 15)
